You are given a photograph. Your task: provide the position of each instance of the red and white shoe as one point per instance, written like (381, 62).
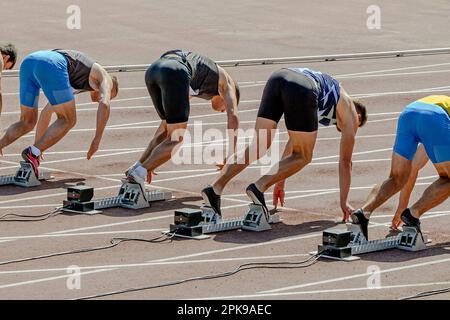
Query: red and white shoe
(29, 157)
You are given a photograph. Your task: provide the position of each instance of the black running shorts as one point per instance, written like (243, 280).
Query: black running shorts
(168, 83)
(294, 95)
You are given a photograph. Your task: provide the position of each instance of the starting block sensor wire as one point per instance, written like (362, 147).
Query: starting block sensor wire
(113, 243)
(247, 266)
(30, 218)
(427, 294)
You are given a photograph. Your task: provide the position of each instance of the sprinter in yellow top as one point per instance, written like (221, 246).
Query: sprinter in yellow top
(425, 121)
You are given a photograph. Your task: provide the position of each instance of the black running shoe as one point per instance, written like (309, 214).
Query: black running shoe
(257, 198)
(212, 199)
(358, 217)
(409, 220)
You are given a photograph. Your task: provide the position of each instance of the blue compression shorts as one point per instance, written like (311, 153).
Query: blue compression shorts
(46, 70)
(424, 123)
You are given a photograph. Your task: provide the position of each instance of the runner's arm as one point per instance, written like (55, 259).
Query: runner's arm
(348, 124)
(227, 91)
(103, 111)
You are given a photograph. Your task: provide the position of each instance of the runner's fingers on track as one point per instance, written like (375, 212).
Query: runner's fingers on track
(278, 196)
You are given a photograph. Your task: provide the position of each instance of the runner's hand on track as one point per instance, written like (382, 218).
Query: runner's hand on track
(396, 221)
(347, 210)
(93, 148)
(278, 195)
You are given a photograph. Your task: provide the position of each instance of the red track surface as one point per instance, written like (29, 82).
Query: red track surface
(138, 34)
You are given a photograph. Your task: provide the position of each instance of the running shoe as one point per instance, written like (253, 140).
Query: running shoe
(212, 199)
(29, 157)
(258, 198)
(133, 177)
(358, 217)
(409, 220)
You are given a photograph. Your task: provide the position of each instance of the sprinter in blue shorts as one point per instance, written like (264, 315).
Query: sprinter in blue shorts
(58, 73)
(425, 121)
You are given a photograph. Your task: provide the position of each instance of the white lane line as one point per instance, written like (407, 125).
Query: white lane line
(151, 264)
(394, 74)
(325, 291)
(365, 76)
(32, 206)
(356, 276)
(79, 234)
(382, 94)
(396, 69)
(115, 224)
(17, 284)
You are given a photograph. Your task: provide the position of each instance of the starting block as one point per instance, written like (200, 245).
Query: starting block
(345, 245)
(25, 177)
(197, 223)
(131, 196)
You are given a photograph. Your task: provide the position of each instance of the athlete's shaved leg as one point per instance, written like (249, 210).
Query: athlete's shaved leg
(436, 193)
(400, 172)
(264, 134)
(419, 161)
(66, 120)
(44, 121)
(28, 120)
(302, 144)
(163, 152)
(159, 136)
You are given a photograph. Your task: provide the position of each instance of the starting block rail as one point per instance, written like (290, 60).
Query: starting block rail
(347, 244)
(130, 196)
(25, 177)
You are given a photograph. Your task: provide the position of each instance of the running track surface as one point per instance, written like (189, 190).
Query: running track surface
(138, 34)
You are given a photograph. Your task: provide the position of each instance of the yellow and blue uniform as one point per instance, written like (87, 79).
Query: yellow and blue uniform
(425, 121)
(46, 70)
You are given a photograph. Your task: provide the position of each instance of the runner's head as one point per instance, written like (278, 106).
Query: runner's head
(217, 102)
(9, 55)
(362, 112)
(115, 88)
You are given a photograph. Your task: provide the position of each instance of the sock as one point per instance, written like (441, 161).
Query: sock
(141, 172)
(35, 151)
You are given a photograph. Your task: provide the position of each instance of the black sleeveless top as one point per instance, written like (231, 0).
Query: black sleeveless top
(203, 71)
(79, 68)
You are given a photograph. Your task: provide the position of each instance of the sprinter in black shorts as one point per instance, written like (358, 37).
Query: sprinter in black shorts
(306, 98)
(171, 81)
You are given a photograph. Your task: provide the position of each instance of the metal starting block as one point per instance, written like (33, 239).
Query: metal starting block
(196, 224)
(131, 196)
(345, 245)
(25, 177)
